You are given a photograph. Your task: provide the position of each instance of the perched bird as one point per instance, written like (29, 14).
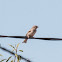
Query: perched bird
(30, 33)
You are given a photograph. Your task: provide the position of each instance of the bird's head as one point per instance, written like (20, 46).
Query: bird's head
(35, 27)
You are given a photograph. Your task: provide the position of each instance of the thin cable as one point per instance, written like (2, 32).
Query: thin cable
(23, 37)
(14, 53)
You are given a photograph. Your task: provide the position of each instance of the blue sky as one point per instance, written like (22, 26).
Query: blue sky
(18, 16)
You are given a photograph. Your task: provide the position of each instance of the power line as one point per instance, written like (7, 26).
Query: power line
(14, 54)
(23, 37)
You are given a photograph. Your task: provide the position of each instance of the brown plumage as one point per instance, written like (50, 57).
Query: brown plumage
(30, 33)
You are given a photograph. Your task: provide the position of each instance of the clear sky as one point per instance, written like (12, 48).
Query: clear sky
(18, 16)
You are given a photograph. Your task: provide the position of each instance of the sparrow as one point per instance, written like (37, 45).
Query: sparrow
(30, 33)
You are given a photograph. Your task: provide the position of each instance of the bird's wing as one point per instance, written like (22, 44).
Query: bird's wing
(28, 32)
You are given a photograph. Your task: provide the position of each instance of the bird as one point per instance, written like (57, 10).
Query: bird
(30, 33)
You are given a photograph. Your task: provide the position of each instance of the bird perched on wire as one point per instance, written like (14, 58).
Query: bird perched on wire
(30, 33)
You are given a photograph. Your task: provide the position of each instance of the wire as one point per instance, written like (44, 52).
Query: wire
(23, 37)
(14, 53)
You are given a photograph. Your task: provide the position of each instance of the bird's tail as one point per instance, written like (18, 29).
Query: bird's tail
(25, 41)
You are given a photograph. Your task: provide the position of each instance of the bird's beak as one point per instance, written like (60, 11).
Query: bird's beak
(37, 26)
